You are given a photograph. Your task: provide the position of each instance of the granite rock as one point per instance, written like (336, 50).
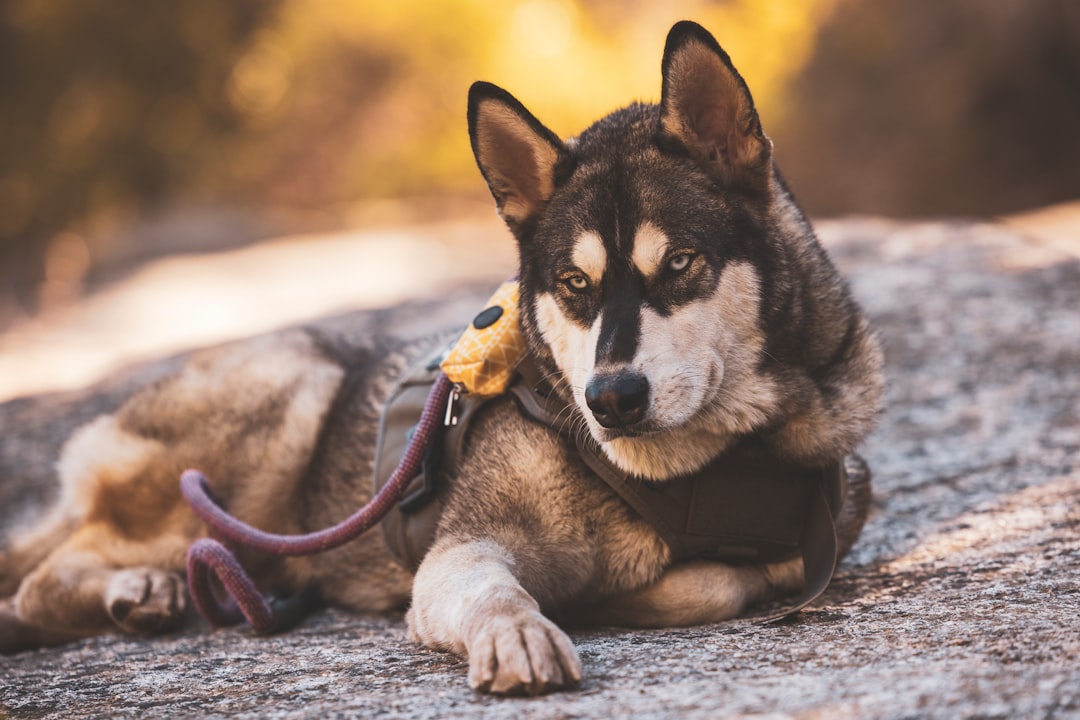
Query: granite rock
(961, 599)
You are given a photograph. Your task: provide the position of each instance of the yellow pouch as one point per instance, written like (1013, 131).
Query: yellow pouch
(484, 359)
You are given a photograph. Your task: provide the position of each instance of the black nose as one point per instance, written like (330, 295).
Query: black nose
(618, 400)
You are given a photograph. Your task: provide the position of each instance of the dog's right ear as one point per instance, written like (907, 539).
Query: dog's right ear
(518, 156)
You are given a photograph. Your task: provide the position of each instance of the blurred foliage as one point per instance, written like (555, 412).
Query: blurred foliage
(108, 108)
(940, 108)
(116, 108)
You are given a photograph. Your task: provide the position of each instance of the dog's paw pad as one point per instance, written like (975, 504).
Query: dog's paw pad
(146, 600)
(522, 655)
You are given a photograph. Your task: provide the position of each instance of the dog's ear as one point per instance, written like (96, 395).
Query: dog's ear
(706, 111)
(517, 155)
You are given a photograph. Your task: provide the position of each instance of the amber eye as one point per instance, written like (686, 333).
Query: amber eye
(680, 262)
(576, 283)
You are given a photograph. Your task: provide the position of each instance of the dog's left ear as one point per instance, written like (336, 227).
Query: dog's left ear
(706, 110)
(518, 156)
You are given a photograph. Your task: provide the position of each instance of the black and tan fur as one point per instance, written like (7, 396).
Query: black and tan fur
(674, 296)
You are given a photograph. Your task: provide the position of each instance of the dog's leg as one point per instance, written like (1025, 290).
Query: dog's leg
(16, 563)
(17, 635)
(468, 600)
(92, 583)
(28, 549)
(696, 593)
(78, 591)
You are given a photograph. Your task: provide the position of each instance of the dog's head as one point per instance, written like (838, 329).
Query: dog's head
(646, 245)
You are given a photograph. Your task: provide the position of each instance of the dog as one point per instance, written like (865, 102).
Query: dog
(676, 308)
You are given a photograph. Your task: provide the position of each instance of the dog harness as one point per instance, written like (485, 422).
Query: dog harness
(744, 506)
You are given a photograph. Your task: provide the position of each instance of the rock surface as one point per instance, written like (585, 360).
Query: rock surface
(961, 599)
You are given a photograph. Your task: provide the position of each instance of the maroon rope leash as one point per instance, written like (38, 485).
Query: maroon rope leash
(208, 555)
(205, 556)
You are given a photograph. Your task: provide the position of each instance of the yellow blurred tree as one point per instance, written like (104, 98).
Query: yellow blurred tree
(384, 82)
(113, 108)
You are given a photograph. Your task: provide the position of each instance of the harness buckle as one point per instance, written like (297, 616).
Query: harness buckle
(451, 418)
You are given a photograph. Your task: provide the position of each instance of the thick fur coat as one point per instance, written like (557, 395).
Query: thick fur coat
(674, 298)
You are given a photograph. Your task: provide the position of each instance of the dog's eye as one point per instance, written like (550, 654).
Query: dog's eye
(679, 262)
(576, 283)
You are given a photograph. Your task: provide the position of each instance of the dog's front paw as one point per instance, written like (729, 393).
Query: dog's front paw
(525, 654)
(146, 600)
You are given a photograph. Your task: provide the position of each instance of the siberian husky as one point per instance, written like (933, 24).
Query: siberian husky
(677, 311)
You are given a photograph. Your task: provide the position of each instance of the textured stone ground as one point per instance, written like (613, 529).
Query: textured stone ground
(962, 599)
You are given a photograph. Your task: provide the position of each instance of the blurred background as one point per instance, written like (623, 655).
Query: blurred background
(133, 131)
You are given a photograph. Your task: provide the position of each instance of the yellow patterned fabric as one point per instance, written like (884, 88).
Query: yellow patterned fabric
(484, 359)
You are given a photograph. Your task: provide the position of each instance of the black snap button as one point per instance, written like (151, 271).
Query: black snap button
(487, 317)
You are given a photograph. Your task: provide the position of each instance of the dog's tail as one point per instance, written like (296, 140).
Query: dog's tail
(856, 505)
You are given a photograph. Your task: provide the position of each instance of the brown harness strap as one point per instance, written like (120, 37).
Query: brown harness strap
(409, 529)
(744, 506)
